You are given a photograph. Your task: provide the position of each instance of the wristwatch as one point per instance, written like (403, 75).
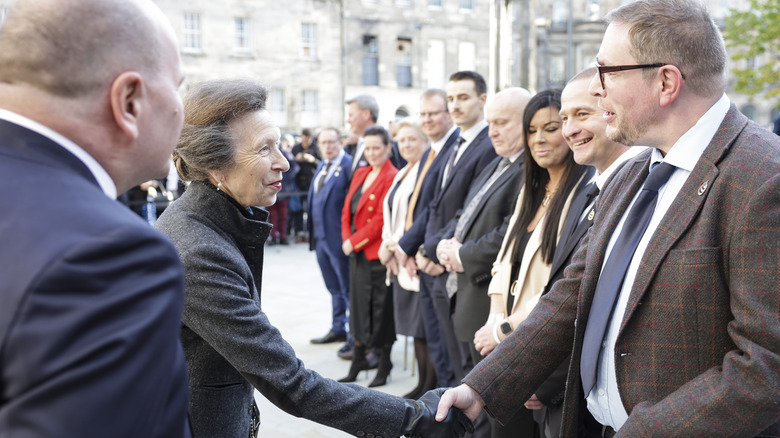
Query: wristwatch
(506, 328)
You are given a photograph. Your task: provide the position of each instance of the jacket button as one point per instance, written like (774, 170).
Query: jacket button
(360, 433)
(370, 208)
(372, 196)
(368, 220)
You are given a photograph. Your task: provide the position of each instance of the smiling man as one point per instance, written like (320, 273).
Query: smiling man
(669, 308)
(584, 129)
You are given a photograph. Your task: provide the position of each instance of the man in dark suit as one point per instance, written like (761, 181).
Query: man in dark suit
(585, 131)
(470, 242)
(466, 96)
(472, 239)
(437, 124)
(326, 198)
(92, 296)
(686, 341)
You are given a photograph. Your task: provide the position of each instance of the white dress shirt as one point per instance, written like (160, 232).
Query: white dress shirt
(331, 170)
(604, 400)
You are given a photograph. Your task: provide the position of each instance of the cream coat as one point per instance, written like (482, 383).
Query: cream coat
(534, 272)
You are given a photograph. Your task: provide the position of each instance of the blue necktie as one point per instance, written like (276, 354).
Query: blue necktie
(614, 272)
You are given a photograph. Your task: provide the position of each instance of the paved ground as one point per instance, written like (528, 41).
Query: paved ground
(296, 301)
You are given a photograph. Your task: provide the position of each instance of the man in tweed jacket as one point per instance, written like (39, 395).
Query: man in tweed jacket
(693, 344)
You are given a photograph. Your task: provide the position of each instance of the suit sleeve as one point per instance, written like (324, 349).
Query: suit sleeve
(478, 256)
(371, 230)
(101, 325)
(508, 376)
(740, 397)
(220, 309)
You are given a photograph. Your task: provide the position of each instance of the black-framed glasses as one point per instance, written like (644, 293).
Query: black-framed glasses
(615, 68)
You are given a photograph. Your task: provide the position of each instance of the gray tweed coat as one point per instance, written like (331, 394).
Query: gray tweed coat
(230, 345)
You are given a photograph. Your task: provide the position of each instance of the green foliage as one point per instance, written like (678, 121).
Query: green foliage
(755, 34)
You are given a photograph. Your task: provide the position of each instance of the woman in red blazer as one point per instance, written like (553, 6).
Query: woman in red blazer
(371, 301)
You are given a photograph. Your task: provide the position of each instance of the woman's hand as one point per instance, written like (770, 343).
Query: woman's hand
(484, 341)
(387, 252)
(392, 266)
(346, 247)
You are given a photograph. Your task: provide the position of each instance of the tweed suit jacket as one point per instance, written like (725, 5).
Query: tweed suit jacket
(481, 242)
(698, 353)
(368, 218)
(230, 344)
(91, 298)
(450, 198)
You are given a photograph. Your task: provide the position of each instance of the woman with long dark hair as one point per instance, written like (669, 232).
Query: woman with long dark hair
(523, 265)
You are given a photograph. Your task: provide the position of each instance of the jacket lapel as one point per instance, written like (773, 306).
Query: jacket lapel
(684, 209)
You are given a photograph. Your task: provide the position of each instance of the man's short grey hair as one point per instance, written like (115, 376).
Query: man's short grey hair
(677, 32)
(70, 48)
(365, 101)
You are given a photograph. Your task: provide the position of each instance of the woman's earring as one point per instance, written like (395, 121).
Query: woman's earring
(219, 186)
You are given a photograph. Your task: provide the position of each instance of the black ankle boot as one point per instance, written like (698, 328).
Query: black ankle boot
(359, 363)
(420, 353)
(383, 370)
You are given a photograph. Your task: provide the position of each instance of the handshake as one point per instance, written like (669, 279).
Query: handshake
(420, 418)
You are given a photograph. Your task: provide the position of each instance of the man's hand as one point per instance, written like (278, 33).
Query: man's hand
(534, 403)
(463, 398)
(419, 420)
(447, 252)
(422, 261)
(434, 269)
(411, 266)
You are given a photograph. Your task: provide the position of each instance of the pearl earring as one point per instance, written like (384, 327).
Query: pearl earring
(219, 186)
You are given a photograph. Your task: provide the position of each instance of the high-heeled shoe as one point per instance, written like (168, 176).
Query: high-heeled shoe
(359, 363)
(383, 370)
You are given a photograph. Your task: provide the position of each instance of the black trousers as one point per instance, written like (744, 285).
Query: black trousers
(370, 303)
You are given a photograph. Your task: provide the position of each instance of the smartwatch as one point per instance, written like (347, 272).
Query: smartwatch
(506, 328)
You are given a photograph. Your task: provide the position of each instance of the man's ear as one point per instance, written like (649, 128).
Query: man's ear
(127, 94)
(671, 84)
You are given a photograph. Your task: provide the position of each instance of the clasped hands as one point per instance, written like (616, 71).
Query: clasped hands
(426, 418)
(447, 252)
(469, 405)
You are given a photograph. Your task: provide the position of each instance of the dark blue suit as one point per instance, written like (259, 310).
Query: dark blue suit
(92, 300)
(325, 229)
(447, 202)
(411, 240)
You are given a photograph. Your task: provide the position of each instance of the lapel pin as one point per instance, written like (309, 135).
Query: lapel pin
(592, 214)
(338, 171)
(703, 188)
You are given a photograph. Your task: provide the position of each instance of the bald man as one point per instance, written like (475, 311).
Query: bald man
(471, 241)
(92, 296)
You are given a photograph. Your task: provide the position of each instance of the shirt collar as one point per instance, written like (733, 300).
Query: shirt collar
(100, 174)
(338, 158)
(514, 157)
(687, 150)
(470, 134)
(625, 156)
(437, 145)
